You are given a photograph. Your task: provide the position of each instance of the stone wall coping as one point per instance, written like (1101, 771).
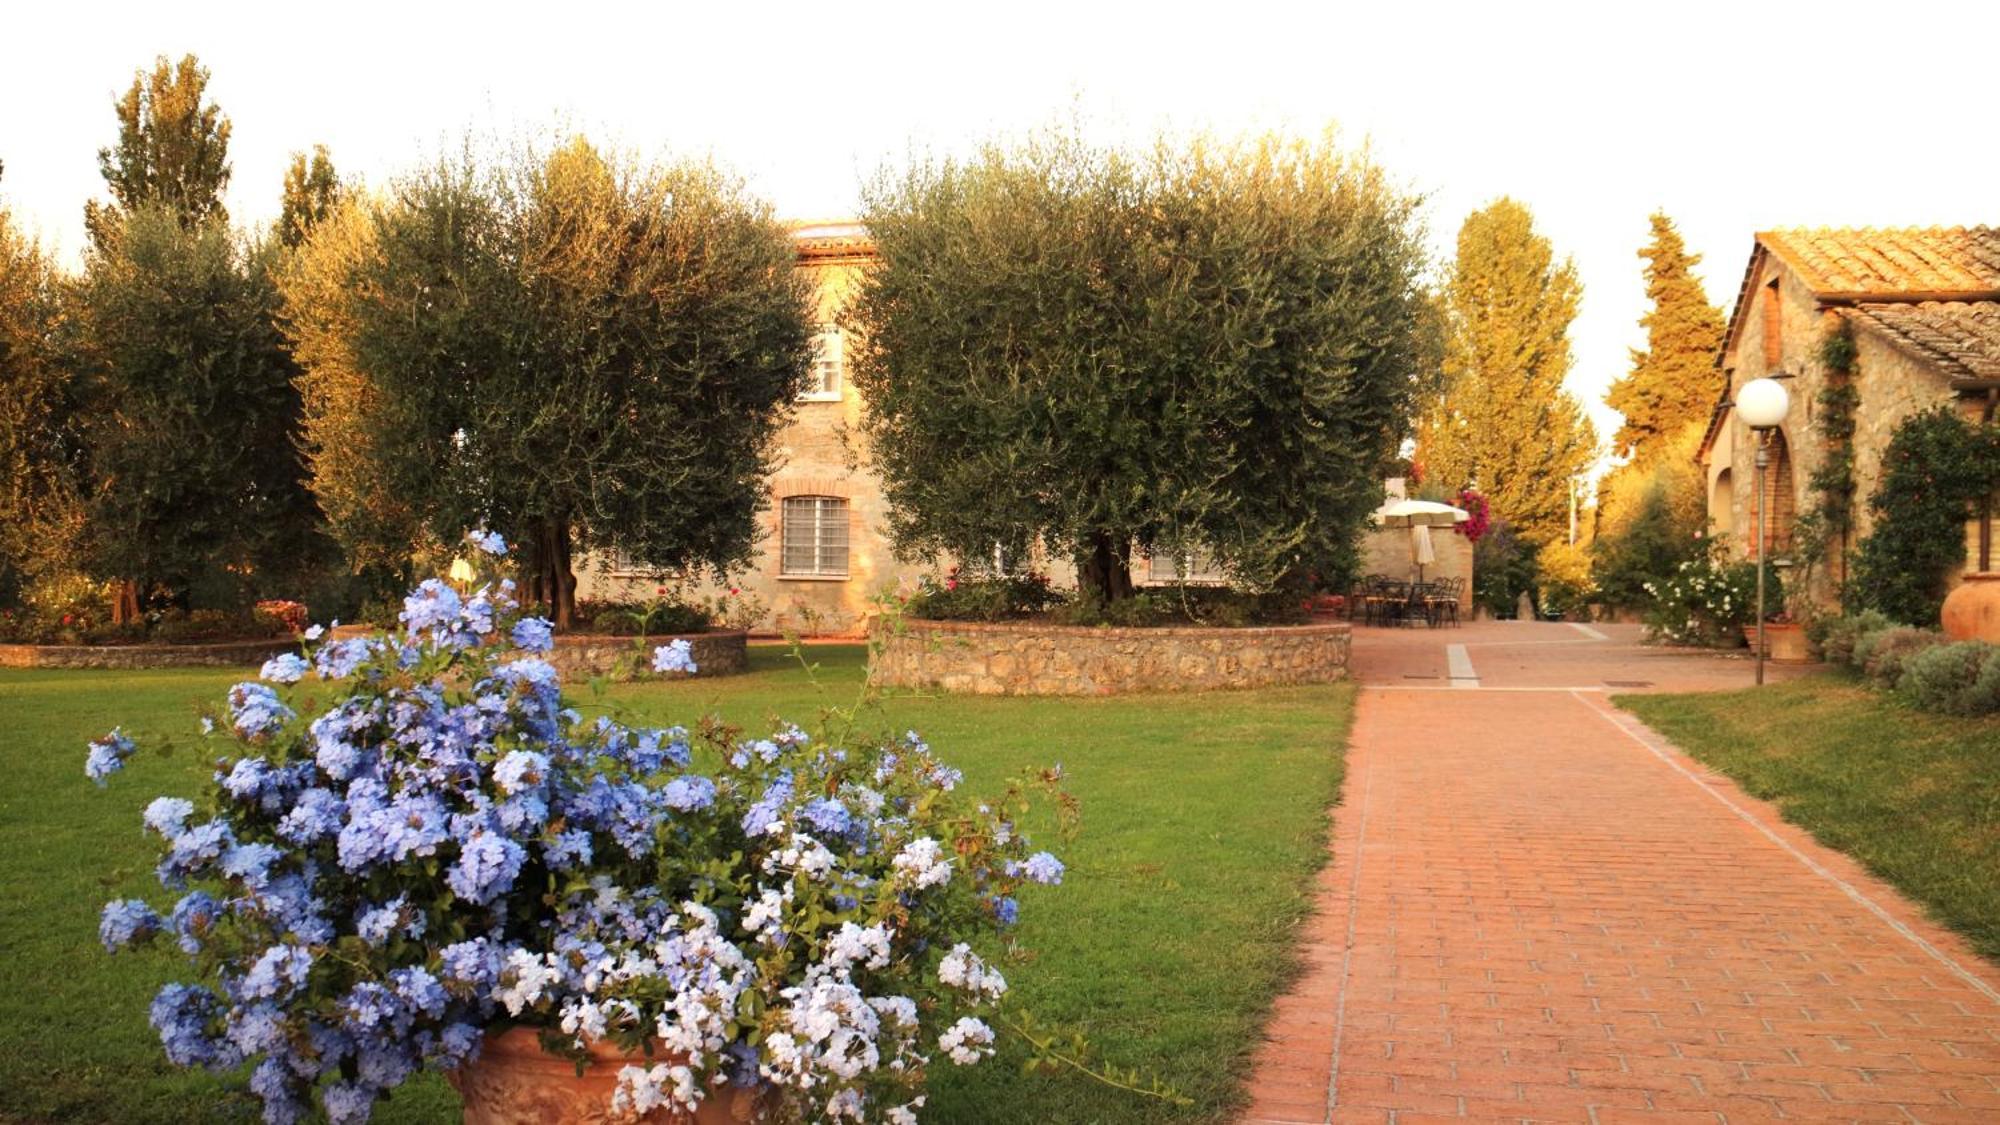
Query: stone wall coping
(152, 654)
(1124, 632)
(1026, 658)
(585, 639)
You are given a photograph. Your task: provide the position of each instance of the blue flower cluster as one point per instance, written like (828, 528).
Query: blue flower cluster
(441, 842)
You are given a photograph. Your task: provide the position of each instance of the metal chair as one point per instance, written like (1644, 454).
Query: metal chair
(1442, 602)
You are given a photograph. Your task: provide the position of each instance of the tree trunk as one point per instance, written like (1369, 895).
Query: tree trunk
(1105, 566)
(125, 602)
(554, 578)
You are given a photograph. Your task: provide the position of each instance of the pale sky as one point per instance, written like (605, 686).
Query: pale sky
(1732, 117)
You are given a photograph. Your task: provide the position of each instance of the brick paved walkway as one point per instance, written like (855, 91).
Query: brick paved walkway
(1537, 910)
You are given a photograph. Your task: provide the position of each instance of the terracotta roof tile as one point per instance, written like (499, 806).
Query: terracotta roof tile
(1962, 261)
(1961, 337)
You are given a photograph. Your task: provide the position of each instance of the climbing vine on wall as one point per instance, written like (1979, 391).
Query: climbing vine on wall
(1833, 482)
(1938, 465)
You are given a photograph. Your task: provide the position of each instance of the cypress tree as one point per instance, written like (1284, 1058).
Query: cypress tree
(1673, 380)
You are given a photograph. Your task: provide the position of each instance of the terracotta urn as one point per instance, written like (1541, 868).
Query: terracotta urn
(1972, 611)
(515, 1082)
(1784, 642)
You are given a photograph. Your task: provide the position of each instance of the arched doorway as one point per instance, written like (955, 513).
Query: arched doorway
(1779, 503)
(1722, 505)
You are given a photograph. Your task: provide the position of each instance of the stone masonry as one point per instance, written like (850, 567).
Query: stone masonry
(143, 656)
(715, 654)
(1029, 659)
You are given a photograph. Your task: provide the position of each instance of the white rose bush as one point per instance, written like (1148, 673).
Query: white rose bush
(412, 841)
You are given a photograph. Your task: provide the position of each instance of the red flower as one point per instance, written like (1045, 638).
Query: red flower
(660, 591)
(69, 619)
(732, 591)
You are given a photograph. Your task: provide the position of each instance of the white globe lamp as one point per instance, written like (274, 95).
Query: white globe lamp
(1763, 404)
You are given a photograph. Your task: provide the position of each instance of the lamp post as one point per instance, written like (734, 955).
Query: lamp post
(1762, 404)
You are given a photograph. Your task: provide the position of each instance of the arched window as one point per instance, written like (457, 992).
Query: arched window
(1779, 505)
(814, 537)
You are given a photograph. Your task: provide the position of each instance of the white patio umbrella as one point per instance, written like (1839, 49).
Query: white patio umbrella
(1420, 516)
(1411, 513)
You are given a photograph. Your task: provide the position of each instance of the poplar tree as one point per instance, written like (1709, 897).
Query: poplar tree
(1502, 420)
(1673, 381)
(311, 189)
(172, 150)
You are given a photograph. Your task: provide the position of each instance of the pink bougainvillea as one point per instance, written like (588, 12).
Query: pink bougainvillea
(1475, 506)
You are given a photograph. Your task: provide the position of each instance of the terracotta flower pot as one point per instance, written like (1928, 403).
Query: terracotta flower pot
(1972, 612)
(1784, 642)
(515, 1082)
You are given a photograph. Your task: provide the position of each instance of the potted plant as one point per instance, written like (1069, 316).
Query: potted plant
(415, 855)
(1784, 638)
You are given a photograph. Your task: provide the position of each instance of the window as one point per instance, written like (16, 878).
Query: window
(1778, 500)
(1200, 569)
(815, 537)
(997, 563)
(623, 565)
(828, 366)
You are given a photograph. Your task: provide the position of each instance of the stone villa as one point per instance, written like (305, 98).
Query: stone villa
(1923, 308)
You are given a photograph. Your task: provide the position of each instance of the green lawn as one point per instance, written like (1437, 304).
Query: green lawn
(1203, 819)
(1915, 797)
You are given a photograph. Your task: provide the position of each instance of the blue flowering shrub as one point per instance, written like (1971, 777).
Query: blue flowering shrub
(412, 841)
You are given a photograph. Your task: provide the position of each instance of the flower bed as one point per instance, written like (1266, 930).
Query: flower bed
(144, 656)
(1034, 659)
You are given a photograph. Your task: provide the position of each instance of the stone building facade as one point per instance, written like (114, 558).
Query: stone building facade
(1922, 306)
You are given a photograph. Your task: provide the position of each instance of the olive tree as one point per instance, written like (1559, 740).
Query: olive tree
(1211, 347)
(193, 485)
(572, 351)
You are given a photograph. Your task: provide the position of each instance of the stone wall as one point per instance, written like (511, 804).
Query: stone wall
(230, 654)
(581, 655)
(1386, 550)
(1028, 659)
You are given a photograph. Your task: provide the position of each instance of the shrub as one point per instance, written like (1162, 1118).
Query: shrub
(1168, 606)
(281, 616)
(411, 839)
(664, 615)
(1884, 654)
(1956, 679)
(1938, 464)
(1836, 635)
(211, 626)
(1565, 583)
(1708, 598)
(1503, 568)
(983, 599)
